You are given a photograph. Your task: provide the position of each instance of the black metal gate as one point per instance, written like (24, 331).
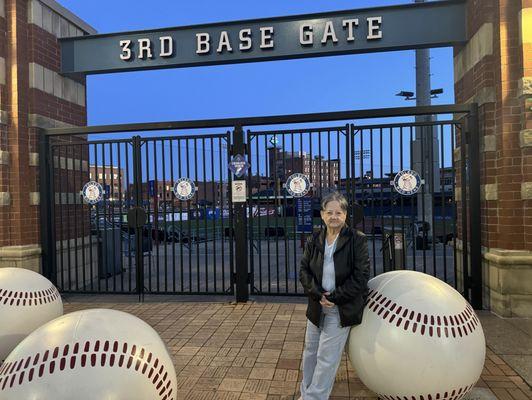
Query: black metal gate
(184, 246)
(208, 245)
(276, 238)
(416, 232)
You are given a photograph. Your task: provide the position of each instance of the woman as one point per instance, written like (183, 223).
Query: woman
(334, 273)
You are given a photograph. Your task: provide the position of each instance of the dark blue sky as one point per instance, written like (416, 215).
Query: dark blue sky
(267, 88)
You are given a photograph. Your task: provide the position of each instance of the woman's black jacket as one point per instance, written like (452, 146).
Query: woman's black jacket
(351, 264)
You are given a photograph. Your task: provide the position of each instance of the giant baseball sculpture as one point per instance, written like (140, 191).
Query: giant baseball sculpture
(90, 355)
(27, 301)
(419, 339)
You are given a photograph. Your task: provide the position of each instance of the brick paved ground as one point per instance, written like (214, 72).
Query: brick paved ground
(253, 352)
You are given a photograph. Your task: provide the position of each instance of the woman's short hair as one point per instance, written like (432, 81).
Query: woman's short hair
(335, 196)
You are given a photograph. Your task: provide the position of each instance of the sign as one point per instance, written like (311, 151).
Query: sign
(184, 189)
(304, 215)
(264, 211)
(213, 213)
(408, 26)
(151, 188)
(170, 217)
(274, 140)
(239, 191)
(239, 166)
(398, 241)
(407, 182)
(297, 185)
(92, 192)
(196, 214)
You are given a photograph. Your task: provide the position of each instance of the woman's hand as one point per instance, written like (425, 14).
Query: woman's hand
(324, 302)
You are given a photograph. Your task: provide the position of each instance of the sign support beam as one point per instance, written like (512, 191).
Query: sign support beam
(407, 26)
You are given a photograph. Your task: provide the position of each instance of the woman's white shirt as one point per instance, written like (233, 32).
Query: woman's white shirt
(328, 282)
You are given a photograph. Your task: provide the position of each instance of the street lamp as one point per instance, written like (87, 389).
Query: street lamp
(410, 95)
(406, 95)
(435, 92)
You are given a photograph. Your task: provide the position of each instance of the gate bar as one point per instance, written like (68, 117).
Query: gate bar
(474, 207)
(240, 225)
(139, 232)
(269, 120)
(46, 204)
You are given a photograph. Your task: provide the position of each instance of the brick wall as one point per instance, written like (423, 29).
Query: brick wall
(4, 153)
(34, 96)
(489, 71)
(525, 108)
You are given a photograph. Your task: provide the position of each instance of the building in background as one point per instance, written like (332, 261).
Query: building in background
(207, 194)
(323, 172)
(111, 178)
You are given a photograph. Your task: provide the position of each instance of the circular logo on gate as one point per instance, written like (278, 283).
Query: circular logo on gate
(92, 192)
(184, 189)
(407, 182)
(298, 185)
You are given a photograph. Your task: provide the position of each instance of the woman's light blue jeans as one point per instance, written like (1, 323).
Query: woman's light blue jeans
(322, 355)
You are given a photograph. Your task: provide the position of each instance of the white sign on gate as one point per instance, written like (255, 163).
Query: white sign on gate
(239, 191)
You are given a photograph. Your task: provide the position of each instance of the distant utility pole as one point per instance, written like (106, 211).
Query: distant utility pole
(426, 145)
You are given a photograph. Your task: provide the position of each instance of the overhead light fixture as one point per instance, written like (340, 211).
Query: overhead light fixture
(435, 92)
(406, 95)
(410, 95)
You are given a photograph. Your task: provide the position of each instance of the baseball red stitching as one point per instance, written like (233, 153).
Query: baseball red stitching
(102, 353)
(23, 298)
(457, 325)
(451, 395)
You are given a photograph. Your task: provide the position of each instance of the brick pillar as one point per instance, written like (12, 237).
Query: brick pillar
(495, 70)
(33, 95)
(4, 153)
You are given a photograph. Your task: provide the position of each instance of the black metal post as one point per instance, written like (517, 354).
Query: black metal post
(474, 207)
(139, 231)
(348, 183)
(240, 220)
(46, 204)
(45, 207)
(464, 173)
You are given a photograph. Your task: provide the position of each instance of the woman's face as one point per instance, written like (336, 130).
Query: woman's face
(333, 216)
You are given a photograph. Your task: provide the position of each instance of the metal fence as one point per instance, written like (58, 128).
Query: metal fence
(209, 245)
(181, 249)
(417, 232)
(276, 232)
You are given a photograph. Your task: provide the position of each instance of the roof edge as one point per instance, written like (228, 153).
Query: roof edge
(69, 15)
